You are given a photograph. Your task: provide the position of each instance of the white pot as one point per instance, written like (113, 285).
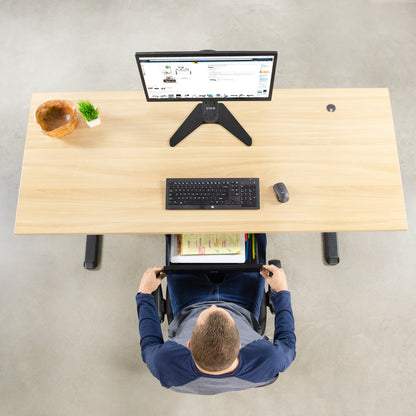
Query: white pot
(94, 122)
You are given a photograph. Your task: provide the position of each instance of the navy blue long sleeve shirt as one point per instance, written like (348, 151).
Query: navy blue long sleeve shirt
(260, 361)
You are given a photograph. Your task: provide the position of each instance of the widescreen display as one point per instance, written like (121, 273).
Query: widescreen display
(234, 77)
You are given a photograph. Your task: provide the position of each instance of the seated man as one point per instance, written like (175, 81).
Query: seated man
(214, 341)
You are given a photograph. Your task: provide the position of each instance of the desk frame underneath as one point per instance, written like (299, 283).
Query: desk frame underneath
(94, 243)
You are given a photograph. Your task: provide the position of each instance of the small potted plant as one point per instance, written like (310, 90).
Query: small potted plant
(90, 113)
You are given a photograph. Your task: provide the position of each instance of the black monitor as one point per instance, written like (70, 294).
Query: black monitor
(208, 76)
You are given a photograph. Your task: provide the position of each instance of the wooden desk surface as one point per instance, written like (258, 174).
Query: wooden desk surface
(341, 169)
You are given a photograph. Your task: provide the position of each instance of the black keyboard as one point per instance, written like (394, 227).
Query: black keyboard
(212, 193)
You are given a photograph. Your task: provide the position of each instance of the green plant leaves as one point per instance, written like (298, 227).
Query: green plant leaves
(88, 110)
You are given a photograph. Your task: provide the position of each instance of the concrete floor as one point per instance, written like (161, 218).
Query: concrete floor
(69, 338)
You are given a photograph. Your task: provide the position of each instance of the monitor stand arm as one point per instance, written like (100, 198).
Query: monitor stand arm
(210, 112)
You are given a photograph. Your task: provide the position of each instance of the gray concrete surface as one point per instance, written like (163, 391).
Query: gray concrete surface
(69, 338)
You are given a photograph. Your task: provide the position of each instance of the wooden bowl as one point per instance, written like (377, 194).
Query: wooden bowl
(56, 118)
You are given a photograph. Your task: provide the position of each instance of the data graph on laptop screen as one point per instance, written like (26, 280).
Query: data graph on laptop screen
(201, 76)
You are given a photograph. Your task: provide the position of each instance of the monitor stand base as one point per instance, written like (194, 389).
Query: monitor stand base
(210, 112)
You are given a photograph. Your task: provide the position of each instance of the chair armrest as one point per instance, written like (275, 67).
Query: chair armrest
(160, 303)
(271, 291)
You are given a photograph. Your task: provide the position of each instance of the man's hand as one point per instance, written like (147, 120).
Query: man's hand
(151, 280)
(277, 280)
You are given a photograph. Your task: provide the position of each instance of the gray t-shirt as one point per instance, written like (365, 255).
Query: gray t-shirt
(180, 329)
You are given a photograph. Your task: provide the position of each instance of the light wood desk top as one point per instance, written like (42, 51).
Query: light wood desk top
(341, 169)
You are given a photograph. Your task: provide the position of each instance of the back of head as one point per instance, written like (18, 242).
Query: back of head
(215, 342)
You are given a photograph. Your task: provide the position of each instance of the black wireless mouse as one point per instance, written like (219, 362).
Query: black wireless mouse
(281, 192)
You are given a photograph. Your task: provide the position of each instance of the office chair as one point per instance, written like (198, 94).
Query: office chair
(216, 273)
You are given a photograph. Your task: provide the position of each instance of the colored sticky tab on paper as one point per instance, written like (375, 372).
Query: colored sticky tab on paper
(208, 244)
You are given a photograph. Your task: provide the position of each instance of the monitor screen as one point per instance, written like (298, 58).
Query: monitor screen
(207, 75)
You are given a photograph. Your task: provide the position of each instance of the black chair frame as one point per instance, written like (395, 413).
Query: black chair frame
(216, 273)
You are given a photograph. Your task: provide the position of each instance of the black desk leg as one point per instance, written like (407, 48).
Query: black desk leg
(331, 248)
(92, 251)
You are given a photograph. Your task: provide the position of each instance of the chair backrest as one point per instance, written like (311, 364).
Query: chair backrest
(216, 273)
(164, 307)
